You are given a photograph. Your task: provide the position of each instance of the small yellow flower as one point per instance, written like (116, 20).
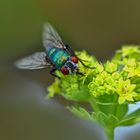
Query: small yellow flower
(54, 88)
(125, 91)
(116, 75)
(130, 62)
(99, 67)
(110, 67)
(129, 50)
(132, 71)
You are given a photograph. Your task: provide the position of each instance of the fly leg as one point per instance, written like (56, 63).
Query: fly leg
(80, 73)
(85, 65)
(71, 52)
(52, 72)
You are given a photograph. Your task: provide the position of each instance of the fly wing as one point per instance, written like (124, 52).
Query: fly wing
(34, 61)
(51, 38)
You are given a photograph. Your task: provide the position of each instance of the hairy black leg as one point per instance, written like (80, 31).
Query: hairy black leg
(80, 73)
(85, 65)
(71, 52)
(52, 72)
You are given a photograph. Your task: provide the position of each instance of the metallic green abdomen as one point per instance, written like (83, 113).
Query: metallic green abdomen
(58, 57)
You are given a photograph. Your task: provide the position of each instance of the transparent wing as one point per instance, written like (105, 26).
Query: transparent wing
(34, 61)
(50, 37)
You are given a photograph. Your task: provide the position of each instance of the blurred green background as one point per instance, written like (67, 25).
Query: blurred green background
(98, 26)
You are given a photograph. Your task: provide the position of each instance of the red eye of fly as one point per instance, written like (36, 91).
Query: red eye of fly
(64, 70)
(74, 59)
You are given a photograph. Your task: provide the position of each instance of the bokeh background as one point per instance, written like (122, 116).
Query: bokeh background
(100, 27)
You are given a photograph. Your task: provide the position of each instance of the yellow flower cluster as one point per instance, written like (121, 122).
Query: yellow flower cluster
(119, 78)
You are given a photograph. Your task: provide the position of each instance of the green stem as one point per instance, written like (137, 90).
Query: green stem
(110, 133)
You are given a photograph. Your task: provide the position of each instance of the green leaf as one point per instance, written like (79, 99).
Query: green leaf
(135, 113)
(78, 95)
(131, 119)
(102, 118)
(127, 121)
(109, 121)
(81, 112)
(121, 110)
(113, 120)
(105, 104)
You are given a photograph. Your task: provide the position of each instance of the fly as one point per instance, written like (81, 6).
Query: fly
(57, 55)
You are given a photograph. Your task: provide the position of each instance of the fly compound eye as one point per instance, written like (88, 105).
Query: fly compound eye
(64, 70)
(74, 59)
